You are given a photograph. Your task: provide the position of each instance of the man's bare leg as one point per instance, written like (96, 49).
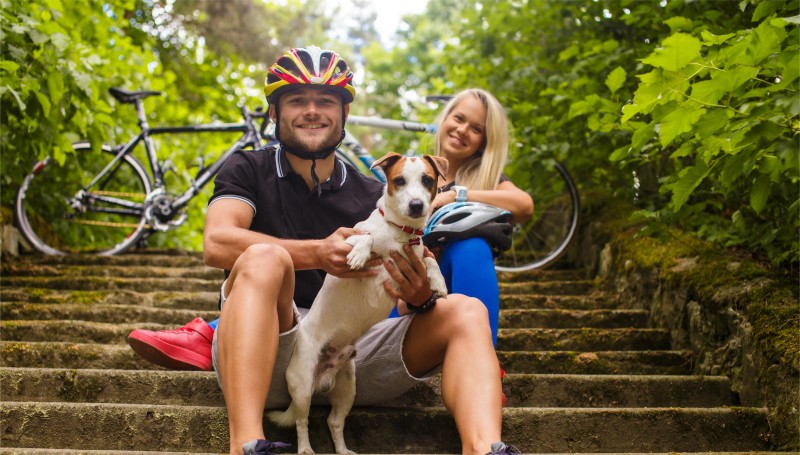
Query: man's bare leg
(457, 333)
(259, 306)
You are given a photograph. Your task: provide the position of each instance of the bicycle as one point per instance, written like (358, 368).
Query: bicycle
(121, 200)
(106, 208)
(536, 244)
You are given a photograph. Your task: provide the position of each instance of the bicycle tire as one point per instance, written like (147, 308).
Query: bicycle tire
(543, 240)
(55, 221)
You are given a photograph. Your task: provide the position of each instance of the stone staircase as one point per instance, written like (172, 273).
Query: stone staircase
(583, 375)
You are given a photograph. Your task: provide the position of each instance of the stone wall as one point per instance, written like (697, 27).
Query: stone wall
(741, 318)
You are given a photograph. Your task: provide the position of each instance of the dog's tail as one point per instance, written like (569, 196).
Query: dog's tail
(285, 418)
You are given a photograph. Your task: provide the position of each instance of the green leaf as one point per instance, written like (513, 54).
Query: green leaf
(9, 66)
(793, 20)
(759, 193)
(711, 122)
(765, 41)
(55, 86)
(678, 122)
(616, 79)
(706, 92)
(766, 9)
(679, 23)
(712, 39)
(676, 52)
(730, 80)
(690, 178)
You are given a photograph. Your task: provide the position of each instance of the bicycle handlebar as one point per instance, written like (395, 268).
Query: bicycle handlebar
(391, 124)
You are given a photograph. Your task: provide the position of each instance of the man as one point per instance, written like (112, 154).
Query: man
(274, 223)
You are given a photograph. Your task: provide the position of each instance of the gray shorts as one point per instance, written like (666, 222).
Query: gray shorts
(381, 374)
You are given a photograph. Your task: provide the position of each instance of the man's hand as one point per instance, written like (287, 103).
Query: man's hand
(333, 256)
(410, 277)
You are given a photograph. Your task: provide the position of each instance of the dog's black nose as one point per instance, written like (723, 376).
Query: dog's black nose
(415, 207)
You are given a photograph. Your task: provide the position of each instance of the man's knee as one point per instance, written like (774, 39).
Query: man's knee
(263, 262)
(463, 312)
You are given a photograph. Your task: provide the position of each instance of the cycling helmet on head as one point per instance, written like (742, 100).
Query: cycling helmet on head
(461, 220)
(310, 66)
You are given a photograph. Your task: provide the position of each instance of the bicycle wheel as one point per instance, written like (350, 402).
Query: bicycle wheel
(545, 237)
(59, 214)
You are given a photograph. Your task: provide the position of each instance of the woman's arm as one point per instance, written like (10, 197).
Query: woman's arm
(506, 196)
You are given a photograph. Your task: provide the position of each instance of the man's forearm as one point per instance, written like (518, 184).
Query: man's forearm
(223, 246)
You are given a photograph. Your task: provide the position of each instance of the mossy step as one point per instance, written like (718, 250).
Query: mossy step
(543, 275)
(152, 258)
(120, 356)
(429, 430)
(95, 283)
(598, 362)
(113, 271)
(581, 287)
(546, 318)
(594, 301)
(201, 301)
(116, 314)
(583, 339)
(20, 451)
(523, 390)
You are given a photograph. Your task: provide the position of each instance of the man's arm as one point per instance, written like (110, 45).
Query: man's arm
(227, 234)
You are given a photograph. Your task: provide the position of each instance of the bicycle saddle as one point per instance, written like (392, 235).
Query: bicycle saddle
(124, 96)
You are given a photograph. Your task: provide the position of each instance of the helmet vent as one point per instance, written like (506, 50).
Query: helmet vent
(456, 217)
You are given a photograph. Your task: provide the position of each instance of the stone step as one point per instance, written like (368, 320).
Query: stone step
(563, 319)
(594, 301)
(597, 362)
(150, 258)
(542, 275)
(22, 451)
(523, 390)
(120, 356)
(582, 339)
(425, 430)
(566, 287)
(22, 269)
(116, 314)
(135, 313)
(96, 283)
(200, 301)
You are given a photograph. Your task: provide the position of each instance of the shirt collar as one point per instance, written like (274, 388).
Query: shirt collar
(335, 182)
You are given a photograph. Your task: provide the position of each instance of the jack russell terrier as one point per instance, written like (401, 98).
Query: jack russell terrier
(345, 308)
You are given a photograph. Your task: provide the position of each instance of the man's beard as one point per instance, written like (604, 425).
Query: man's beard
(293, 142)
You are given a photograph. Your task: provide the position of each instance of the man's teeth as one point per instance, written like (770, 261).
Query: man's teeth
(313, 126)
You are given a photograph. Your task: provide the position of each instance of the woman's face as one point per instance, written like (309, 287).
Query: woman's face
(463, 129)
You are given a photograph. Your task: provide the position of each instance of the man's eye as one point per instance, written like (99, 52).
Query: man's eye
(399, 181)
(427, 181)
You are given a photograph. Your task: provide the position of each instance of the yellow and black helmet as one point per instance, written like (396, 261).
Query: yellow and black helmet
(309, 66)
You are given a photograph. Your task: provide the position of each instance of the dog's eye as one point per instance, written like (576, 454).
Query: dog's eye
(428, 181)
(399, 181)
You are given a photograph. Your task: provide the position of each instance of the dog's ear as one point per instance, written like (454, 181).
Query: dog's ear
(386, 161)
(439, 164)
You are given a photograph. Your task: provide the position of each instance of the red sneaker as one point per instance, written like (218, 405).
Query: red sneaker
(185, 348)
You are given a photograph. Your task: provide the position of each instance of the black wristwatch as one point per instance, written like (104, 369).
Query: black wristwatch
(426, 306)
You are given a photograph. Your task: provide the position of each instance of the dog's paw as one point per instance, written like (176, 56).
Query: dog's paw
(361, 252)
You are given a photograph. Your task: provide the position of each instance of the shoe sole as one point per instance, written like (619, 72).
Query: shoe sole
(167, 355)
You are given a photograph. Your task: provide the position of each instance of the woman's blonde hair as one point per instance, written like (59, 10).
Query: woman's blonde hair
(483, 169)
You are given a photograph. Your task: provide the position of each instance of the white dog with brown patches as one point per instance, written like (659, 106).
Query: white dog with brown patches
(345, 308)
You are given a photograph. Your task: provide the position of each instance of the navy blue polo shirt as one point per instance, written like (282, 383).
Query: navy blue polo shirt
(284, 206)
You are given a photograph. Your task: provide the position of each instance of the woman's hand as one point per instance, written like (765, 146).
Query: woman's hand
(443, 199)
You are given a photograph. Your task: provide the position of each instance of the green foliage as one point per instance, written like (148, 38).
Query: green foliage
(688, 108)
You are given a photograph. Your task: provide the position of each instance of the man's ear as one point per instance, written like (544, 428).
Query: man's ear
(346, 110)
(272, 112)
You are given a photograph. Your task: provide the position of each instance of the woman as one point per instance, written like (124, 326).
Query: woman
(473, 135)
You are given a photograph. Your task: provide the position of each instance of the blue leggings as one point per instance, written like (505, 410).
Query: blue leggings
(468, 268)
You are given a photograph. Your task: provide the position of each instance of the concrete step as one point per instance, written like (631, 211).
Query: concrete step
(594, 301)
(523, 390)
(150, 258)
(190, 300)
(24, 269)
(543, 275)
(563, 319)
(135, 313)
(120, 356)
(115, 314)
(582, 339)
(374, 429)
(566, 287)
(95, 283)
(597, 362)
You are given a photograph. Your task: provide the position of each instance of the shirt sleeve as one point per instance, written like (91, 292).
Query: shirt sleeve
(236, 181)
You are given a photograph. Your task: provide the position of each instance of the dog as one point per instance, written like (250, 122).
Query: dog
(323, 360)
